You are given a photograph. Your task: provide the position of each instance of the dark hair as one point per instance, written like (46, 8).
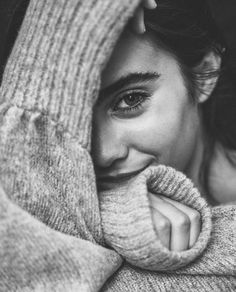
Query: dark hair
(188, 30)
(11, 16)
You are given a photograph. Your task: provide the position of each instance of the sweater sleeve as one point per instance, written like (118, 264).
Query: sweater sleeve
(35, 257)
(213, 270)
(49, 87)
(49, 205)
(128, 226)
(210, 265)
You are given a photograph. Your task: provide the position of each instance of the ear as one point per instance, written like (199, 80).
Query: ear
(210, 63)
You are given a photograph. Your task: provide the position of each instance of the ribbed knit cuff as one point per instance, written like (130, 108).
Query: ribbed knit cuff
(58, 57)
(128, 226)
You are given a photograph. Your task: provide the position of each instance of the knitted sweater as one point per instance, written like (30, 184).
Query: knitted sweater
(56, 233)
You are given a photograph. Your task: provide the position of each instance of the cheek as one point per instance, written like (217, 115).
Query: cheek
(164, 131)
(152, 133)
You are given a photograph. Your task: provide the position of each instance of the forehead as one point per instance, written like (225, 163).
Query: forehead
(135, 53)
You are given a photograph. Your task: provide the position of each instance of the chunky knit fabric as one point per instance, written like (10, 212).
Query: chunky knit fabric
(56, 233)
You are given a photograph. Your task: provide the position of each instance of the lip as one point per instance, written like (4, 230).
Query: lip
(119, 179)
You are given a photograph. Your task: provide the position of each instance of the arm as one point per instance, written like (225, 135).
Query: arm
(210, 264)
(130, 228)
(35, 257)
(214, 270)
(50, 83)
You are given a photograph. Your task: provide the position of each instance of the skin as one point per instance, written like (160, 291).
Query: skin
(145, 116)
(222, 167)
(148, 120)
(222, 182)
(166, 119)
(138, 19)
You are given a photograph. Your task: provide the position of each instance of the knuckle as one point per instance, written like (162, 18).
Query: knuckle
(182, 221)
(195, 216)
(164, 225)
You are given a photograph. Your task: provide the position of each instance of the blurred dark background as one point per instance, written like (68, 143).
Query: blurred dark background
(11, 16)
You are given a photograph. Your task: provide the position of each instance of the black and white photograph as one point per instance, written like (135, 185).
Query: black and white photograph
(117, 145)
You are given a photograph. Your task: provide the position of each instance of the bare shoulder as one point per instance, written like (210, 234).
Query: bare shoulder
(222, 175)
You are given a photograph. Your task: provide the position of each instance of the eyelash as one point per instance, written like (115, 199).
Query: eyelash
(143, 98)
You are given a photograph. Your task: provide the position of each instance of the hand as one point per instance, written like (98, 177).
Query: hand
(138, 20)
(177, 225)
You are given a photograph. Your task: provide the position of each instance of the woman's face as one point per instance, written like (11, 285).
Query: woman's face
(144, 115)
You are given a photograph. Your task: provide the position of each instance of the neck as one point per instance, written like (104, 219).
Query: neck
(193, 170)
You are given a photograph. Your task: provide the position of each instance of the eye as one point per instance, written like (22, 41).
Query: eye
(130, 102)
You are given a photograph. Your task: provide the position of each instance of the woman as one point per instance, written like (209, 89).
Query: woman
(168, 97)
(52, 237)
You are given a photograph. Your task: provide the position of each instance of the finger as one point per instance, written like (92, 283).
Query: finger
(150, 4)
(194, 217)
(162, 227)
(138, 21)
(180, 223)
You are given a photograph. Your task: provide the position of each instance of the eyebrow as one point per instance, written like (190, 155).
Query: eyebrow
(128, 79)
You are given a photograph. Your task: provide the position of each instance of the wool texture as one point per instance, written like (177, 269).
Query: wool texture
(56, 232)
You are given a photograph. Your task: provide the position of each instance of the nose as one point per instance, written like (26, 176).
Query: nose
(108, 145)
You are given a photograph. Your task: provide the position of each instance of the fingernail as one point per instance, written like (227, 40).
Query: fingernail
(153, 4)
(141, 28)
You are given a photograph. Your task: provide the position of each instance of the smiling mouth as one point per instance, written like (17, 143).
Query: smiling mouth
(108, 182)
